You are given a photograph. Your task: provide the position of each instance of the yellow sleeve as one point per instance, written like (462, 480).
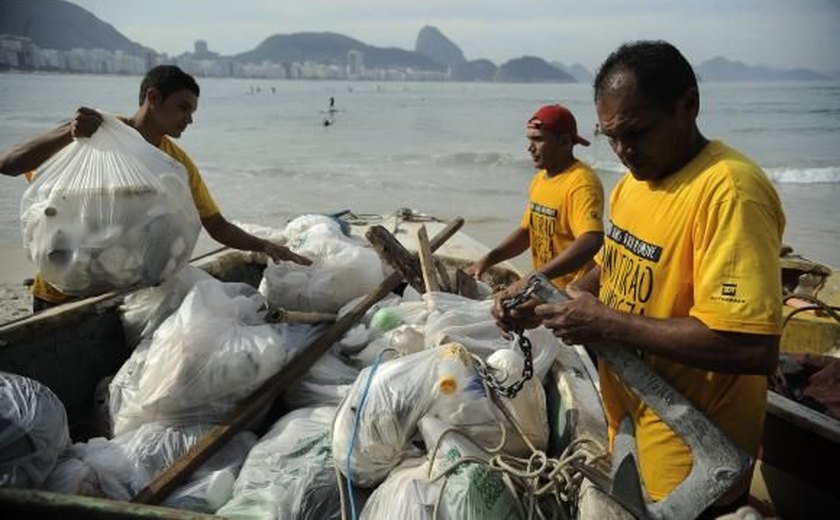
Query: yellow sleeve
(736, 270)
(587, 209)
(204, 202)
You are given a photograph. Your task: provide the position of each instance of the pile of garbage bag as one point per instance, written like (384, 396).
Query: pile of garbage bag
(109, 212)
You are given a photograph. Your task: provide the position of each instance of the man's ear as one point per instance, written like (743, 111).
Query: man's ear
(690, 102)
(153, 96)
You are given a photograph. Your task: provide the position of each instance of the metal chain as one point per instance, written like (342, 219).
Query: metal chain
(525, 346)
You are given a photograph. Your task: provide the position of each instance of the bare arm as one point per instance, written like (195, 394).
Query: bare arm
(684, 340)
(516, 243)
(579, 252)
(590, 282)
(221, 230)
(32, 153)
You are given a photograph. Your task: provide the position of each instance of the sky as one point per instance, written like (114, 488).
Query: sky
(778, 33)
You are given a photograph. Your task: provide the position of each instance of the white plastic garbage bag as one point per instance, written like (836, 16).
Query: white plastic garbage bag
(109, 212)
(33, 431)
(289, 474)
(472, 491)
(469, 322)
(407, 494)
(398, 394)
(528, 408)
(342, 268)
(142, 312)
(214, 351)
(121, 467)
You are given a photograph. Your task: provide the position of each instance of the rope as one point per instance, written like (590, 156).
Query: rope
(527, 479)
(354, 436)
(816, 305)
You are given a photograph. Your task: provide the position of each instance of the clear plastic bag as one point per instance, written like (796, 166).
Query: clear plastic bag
(142, 312)
(109, 212)
(400, 392)
(33, 431)
(289, 474)
(342, 268)
(214, 351)
(121, 467)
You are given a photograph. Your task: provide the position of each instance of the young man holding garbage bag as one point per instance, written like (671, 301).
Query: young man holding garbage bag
(562, 223)
(168, 98)
(689, 275)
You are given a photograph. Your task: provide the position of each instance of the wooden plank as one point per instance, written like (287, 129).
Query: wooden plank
(424, 251)
(397, 256)
(32, 503)
(286, 316)
(466, 285)
(443, 276)
(263, 397)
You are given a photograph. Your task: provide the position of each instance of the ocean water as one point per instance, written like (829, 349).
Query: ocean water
(449, 149)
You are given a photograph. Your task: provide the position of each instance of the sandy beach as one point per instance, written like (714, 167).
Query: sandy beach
(17, 302)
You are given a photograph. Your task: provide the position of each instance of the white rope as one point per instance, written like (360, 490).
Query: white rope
(528, 479)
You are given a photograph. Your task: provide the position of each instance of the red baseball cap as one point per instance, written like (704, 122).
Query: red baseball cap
(557, 119)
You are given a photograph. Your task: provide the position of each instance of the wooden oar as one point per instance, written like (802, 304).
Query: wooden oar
(264, 396)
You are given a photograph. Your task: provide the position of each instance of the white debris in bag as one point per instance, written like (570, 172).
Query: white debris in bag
(342, 268)
(399, 393)
(121, 467)
(454, 318)
(472, 491)
(406, 494)
(213, 352)
(33, 431)
(405, 339)
(289, 474)
(528, 408)
(326, 383)
(109, 212)
(142, 312)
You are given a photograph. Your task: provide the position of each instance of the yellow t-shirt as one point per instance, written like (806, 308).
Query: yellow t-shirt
(202, 198)
(560, 209)
(703, 242)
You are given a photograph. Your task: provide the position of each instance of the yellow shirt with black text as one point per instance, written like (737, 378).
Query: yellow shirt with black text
(202, 198)
(560, 209)
(702, 242)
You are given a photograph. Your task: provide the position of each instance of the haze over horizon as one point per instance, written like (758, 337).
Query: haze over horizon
(777, 33)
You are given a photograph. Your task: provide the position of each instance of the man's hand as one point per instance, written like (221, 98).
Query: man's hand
(579, 321)
(85, 122)
(477, 268)
(520, 316)
(280, 253)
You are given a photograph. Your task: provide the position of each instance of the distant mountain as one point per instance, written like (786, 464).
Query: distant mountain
(476, 70)
(331, 48)
(530, 69)
(56, 24)
(432, 43)
(723, 69)
(577, 71)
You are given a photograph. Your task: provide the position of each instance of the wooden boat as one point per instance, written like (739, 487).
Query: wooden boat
(71, 348)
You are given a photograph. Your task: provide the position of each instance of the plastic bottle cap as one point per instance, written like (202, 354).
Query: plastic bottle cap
(448, 385)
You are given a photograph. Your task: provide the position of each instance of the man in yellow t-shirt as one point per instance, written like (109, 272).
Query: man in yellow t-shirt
(168, 98)
(689, 274)
(563, 221)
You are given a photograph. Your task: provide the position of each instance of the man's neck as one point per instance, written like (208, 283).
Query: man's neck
(142, 122)
(560, 167)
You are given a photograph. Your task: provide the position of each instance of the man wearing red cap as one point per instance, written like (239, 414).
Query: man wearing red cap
(563, 222)
(689, 274)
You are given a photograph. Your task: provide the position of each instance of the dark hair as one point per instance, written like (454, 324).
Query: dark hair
(167, 79)
(662, 73)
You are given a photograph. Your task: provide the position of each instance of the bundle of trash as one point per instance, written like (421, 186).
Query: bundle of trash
(342, 268)
(109, 212)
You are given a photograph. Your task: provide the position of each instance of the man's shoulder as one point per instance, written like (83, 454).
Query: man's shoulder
(731, 173)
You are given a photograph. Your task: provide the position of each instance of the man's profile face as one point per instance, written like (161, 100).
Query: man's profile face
(174, 113)
(649, 140)
(546, 148)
